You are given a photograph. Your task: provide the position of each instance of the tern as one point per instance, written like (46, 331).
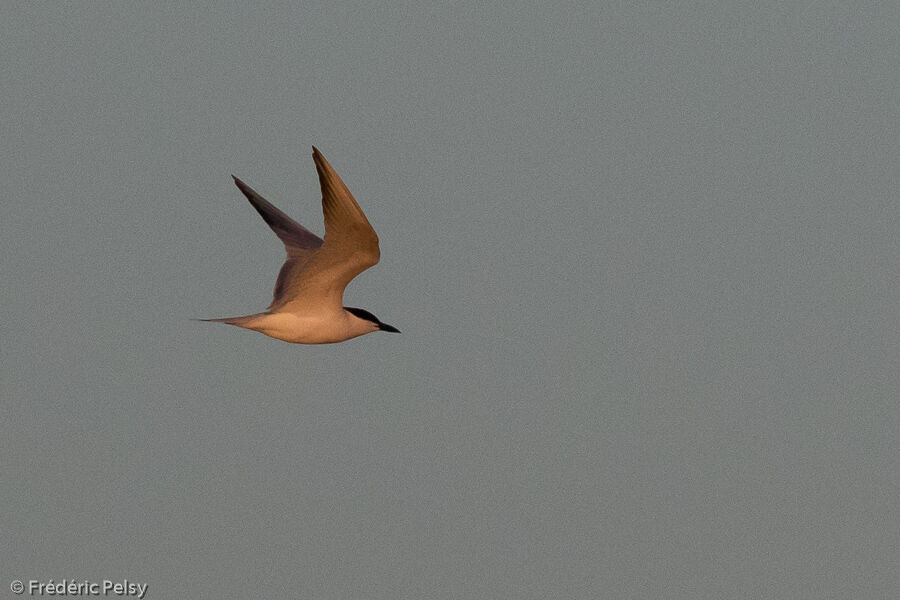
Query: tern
(307, 305)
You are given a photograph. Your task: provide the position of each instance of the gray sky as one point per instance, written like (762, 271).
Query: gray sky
(644, 256)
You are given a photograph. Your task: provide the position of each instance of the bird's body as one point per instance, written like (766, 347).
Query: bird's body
(326, 327)
(307, 303)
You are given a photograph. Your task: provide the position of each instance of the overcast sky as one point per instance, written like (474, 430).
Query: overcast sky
(644, 256)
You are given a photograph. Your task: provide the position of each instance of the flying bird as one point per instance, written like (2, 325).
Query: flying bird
(307, 305)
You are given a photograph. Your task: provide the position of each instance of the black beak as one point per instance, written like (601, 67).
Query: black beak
(386, 327)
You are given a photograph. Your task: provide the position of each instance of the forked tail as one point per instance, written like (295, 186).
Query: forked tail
(236, 321)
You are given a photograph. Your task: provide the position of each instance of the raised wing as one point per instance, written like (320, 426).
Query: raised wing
(350, 247)
(299, 242)
(294, 235)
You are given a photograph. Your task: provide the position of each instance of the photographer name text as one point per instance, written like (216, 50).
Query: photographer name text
(72, 587)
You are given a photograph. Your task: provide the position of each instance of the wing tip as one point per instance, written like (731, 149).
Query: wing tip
(248, 191)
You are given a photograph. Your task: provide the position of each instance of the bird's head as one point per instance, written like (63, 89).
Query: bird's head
(372, 321)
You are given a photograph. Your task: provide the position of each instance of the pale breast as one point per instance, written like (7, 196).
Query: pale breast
(305, 329)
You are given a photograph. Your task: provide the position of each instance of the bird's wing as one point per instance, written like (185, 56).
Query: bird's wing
(350, 247)
(299, 242)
